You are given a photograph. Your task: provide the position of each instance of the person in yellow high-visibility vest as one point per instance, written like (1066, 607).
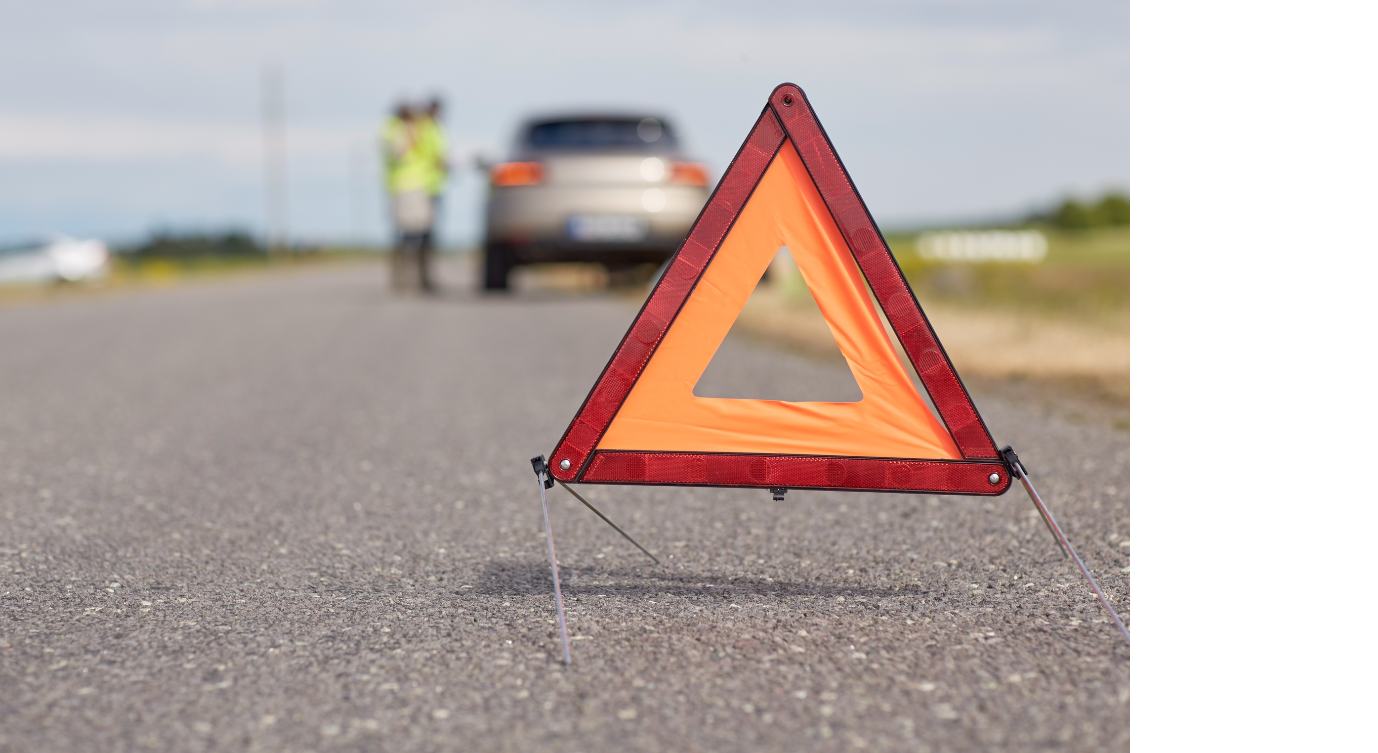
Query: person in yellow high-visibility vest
(410, 175)
(433, 148)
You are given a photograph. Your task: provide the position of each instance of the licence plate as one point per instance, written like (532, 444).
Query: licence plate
(606, 227)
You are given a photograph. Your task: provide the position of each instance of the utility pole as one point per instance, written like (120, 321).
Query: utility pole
(275, 159)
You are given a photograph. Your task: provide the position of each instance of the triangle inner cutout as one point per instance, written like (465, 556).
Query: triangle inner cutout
(780, 320)
(661, 412)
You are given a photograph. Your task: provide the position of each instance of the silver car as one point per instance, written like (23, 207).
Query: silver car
(611, 189)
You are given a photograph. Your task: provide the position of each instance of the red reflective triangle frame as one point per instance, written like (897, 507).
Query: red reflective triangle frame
(787, 114)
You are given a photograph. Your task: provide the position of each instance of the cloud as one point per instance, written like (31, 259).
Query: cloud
(104, 137)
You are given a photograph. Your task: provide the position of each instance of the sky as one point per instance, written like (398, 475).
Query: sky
(117, 120)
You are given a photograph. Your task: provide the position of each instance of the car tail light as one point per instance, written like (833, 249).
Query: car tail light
(689, 173)
(517, 174)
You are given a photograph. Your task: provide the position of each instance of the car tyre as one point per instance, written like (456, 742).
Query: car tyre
(497, 267)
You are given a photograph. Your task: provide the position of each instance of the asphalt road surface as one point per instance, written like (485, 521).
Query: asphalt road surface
(294, 513)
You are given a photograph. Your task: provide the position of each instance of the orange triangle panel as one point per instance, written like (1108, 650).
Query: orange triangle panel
(642, 424)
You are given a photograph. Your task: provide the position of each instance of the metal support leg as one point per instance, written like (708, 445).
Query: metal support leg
(1043, 513)
(554, 568)
(1012, 461)
(605, 518)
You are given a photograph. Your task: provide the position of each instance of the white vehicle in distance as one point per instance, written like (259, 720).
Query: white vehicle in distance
(57, 259)
(608, 189)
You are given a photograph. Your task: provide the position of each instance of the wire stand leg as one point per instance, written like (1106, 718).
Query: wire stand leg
(554, 570)
(615, 527)
(1047, 519)
(1067, 549)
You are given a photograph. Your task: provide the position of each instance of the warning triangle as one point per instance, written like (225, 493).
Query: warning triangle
(661, 412)
(642, 424)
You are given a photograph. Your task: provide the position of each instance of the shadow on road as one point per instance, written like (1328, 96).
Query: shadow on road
(527, 578)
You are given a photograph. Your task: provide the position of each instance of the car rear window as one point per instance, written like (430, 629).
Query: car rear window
(601, 133)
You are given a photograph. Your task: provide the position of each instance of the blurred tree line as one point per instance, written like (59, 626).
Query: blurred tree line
(169, 245)
(1111, 210)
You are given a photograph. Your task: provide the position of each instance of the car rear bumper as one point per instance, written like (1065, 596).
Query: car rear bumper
(536, 221)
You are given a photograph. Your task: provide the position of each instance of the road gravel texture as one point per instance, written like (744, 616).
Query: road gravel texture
(295, 513)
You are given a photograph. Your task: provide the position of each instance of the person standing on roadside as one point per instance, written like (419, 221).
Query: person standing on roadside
(434, 152)
(409, 172)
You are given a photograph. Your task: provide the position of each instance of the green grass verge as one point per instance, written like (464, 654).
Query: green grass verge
(1085, 272)
(163, 270)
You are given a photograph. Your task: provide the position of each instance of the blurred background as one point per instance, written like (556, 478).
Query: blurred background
(189, 137)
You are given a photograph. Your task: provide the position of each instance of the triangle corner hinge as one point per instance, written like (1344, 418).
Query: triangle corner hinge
(1011, 461)
(542, 470)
